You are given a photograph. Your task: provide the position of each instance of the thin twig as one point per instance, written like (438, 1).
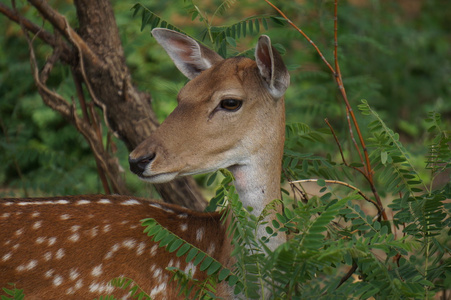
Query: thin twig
(341, 150)
(348, 274)
(343, 184)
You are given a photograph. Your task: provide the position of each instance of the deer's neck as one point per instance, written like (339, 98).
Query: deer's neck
(257, 180)
(257, 186)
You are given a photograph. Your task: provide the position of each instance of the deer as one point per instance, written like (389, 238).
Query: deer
(230, 115)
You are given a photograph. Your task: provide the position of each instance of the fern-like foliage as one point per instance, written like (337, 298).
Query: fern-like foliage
(174, 244)
(439, 156)
(124, 283)
(150, 18)
(12, 293)
(219, 36)
(398, 174)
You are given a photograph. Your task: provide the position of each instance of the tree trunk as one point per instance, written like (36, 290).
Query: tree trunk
(127, 110)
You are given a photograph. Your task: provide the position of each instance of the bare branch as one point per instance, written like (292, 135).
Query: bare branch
(61, 24)
(50, 39)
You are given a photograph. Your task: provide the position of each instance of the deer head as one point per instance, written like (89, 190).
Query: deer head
(230, 115)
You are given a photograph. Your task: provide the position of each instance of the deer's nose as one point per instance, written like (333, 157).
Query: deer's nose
(138, 165)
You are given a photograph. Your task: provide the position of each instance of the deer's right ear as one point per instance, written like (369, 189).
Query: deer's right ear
(190, 57)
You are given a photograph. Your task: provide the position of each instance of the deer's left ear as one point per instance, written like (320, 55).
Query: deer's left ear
(271, 67)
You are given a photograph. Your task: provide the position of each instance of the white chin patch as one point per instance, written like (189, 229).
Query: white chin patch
(160, 178)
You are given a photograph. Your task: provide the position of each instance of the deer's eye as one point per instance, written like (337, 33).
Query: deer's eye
(231, 104)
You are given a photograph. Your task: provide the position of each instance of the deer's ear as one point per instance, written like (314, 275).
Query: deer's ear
(190, 57)
(271, 67)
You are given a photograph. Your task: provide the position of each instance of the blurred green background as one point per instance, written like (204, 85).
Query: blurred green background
(395, 54)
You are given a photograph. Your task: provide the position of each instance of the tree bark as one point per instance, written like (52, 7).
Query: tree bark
(99, 58)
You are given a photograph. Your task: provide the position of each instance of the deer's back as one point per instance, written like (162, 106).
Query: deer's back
(67, 246)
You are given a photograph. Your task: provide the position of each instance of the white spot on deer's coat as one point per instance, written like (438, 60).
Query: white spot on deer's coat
(48, 256)
(15, 246)
(129, 244)
(27, 267)
(110, 253)
(104, 201)
(157, 273)
(153, 250)
(19, 231)
(51, 241)
(94, 231)
(106, 228)
(37, 225)
(62, 202)
(60, 253)
(100, 288)
(57, 280)
(78, 284)
(5, 215)
(7, 256)
(184, 227)
(73, 274)
(140, 248)
(156, 205)
(82, 202)
(64, 216)
(190, 268)
(200, 234)
(157, 290)
(97, 271)
(130, 202)
(211, 249)
(49, 273)
(182, 216)
(74, 238)
(35, 214)
(152, 268)
(40, 240)
(75, 228)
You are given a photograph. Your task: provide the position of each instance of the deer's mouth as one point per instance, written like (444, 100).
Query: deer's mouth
(158, 178)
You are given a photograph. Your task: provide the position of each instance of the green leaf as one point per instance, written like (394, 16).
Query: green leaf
(183, 250)
(191, 254)
(214, 267)
(211, 178)
(384, 156)
(321, 182)
(206, 263)
(223, 274)
(175, 244)
(231, 41)
(200, 256)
